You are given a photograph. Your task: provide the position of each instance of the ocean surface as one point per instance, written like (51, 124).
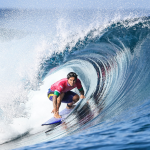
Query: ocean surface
(110, 52)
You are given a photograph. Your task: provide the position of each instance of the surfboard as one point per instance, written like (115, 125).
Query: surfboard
(64, 113)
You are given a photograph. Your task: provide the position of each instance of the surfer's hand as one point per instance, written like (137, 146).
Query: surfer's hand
(53, 111)
(82, 96)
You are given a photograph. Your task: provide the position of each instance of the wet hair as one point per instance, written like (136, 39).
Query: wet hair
(72, 74)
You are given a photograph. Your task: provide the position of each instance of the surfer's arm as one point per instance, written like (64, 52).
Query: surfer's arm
(55, 103)
(82, 93)
(80, 88)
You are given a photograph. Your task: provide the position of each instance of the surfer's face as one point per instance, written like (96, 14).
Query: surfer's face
(72, 81)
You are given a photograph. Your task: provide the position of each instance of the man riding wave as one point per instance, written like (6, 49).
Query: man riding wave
(60, 92)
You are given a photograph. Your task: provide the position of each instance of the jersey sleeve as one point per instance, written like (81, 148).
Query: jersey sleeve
(59, 89)
(79, 85)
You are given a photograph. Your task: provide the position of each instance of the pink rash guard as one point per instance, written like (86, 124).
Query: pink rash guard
(63, 86)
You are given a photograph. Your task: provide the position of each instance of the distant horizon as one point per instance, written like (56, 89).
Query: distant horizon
(75, 4)
(61, 9)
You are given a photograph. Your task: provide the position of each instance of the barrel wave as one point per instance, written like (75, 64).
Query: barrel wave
(114, 67)
(112, 62)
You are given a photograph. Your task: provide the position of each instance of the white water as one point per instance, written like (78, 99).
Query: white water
(38, 110)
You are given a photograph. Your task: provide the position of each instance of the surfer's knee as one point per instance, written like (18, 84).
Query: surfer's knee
(76, 98)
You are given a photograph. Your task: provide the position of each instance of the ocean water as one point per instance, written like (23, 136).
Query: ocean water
(108, 49)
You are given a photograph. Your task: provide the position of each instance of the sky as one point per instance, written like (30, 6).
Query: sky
(69, 4)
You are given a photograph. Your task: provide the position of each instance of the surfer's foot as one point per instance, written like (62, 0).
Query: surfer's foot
(56, 115)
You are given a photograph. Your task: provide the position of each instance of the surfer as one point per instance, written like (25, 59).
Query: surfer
(60, 92)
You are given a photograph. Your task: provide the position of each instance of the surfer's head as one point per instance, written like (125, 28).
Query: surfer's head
(72, 78)
(72, 74)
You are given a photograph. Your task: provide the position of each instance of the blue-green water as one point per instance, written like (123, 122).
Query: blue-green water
(110, 53)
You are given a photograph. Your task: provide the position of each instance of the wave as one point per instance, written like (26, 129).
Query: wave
(113, 64)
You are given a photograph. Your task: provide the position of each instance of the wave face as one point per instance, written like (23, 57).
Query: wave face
(119, 56)
(112, 61)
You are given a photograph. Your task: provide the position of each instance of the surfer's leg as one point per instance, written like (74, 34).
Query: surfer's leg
(74, 100)
(70, 98)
